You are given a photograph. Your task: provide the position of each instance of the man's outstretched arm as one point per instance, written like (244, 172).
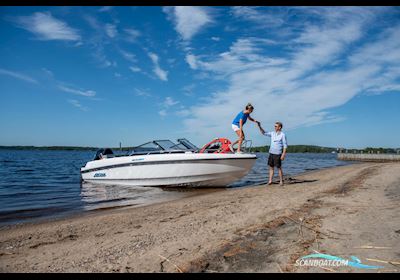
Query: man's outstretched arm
(263, 131)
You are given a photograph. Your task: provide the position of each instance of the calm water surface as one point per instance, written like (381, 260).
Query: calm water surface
(37, 185)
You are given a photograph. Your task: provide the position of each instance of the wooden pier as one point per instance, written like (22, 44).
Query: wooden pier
(369, 157)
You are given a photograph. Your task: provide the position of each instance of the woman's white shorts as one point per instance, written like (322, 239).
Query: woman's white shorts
(235, 127)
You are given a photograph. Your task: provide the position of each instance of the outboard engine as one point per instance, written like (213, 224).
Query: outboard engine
(217, 146)
(103, 153)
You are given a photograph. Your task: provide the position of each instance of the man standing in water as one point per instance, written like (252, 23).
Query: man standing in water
(277, 150)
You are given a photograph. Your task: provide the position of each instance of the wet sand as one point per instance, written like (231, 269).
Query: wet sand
(342, 211)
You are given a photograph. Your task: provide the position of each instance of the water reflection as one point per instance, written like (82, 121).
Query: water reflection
(100, 196)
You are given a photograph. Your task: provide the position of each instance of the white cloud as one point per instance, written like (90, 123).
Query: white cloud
(153, 57)
(167, 104)
(385, 50)
(323, 44)
(271, 17)
(19, 76)
(131, 34)
(48, 72)
(105, 9)
(135, 69)
(128, 55)
(100, 56)
(169, 101)
(188, 20)
(111, 30)
(315, 74)
(87, 93)
(161, 74)
(183, 113)
(78, 105)
(47, 27)
(141, 92)
(188, 89)
(242, 55)
(191, 60)
(100, 39)
(380, 89)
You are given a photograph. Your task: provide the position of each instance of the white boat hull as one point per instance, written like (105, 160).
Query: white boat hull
(174, 170)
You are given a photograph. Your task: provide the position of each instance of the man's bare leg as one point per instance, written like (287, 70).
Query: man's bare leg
(271, 175)
(280, 176)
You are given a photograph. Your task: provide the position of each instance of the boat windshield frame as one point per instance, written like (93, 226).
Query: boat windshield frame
(189, 145)
(160, 143)
(159, 148)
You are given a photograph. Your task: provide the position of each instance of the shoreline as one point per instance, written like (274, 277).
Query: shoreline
(246, 229)
(98, 211)
(73, 214)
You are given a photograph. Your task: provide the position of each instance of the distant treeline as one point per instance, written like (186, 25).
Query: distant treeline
(318, 149)
(59, 148)
(49, 148)
(262, 149)
(291, 149)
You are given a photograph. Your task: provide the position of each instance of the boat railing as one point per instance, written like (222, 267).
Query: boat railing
(246, 146)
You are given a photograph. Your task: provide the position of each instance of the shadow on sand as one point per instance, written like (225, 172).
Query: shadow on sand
(289, 181)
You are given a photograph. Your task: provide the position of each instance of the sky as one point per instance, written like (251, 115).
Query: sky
(98, 76)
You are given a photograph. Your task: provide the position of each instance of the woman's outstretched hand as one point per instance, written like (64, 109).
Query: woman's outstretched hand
(259, 126)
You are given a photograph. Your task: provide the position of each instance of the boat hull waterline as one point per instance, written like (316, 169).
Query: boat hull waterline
(172, 170)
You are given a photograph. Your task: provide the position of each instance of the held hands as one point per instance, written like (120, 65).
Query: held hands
(261, 129)
(259, 126)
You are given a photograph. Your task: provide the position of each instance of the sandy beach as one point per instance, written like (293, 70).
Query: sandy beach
(343, 211)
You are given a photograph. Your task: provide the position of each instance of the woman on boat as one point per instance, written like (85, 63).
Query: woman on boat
(238, 122)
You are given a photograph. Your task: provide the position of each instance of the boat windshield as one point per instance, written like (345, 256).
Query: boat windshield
(179, 147)
(187, 144)
(164, 146)
(147, 147)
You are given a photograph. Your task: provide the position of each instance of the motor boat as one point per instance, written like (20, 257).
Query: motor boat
(163, 163)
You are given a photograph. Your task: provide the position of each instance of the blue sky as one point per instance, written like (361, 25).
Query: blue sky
(95, 76)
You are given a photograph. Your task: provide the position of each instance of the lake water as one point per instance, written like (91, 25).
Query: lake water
(37, 185)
